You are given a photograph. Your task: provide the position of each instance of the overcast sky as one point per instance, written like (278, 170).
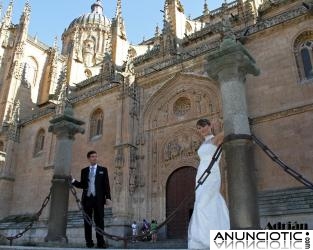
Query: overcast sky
(50, 18)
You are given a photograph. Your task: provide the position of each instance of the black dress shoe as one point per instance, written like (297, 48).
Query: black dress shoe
(102, 246)
(90, 245)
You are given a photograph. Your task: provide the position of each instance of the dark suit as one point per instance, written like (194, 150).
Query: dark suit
(94, 205)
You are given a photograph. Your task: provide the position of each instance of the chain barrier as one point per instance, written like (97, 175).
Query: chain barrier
(272, 156)
(91, 223)
(166, 221)
(276, 159)
(201, 180)
(30, 225)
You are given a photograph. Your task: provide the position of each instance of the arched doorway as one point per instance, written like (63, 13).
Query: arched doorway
(180, 184)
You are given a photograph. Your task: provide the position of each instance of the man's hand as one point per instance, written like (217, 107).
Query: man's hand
(108, 203)
(70, 179)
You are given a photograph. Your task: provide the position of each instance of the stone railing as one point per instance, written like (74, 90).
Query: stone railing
(279, 19)
(150, 54)
(101, 77)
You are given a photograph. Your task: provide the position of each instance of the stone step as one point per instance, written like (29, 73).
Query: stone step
(287, 192)
(286, 202)
(162, 244)
(69, 248)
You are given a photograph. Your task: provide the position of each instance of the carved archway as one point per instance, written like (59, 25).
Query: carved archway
(169, 119)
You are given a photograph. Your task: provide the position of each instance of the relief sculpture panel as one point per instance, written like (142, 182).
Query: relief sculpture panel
(180, 147)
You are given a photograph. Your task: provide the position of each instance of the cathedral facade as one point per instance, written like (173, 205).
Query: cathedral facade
(140, 104)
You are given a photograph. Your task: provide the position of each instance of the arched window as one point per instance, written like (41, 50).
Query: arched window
(303, 48)
(31, 71)
(96, 124)
(39, 143)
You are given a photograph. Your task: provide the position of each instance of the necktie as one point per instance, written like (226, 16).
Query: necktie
(91, 184)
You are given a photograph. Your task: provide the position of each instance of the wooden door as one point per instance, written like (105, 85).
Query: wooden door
(180, 184)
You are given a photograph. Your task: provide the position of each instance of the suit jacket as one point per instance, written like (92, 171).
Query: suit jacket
(102, 185)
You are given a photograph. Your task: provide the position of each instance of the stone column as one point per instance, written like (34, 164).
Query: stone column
(229, 66)
(125, 160)
(64, 126)
(10, 134)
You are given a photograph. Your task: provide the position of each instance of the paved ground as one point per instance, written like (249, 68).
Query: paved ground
(52, 248)
(161, 244)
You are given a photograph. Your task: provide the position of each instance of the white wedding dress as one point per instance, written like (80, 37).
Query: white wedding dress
(210, 210)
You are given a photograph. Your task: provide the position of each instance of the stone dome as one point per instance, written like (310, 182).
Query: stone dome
(90, 19)
(95, 18)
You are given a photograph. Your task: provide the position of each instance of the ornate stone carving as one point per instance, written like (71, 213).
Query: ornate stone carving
(77, 47)
(88, 51)
(133, 171)
(207, 31)
(154, 161)
(62, 99)
(5, 42)
(13, 131)
(118, 173)
(16, 70)
(129, 72)
(181, 106)
(182, 146)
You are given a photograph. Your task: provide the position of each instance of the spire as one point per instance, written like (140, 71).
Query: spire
(1, 9)
(157, 31)
(8, 15)
(119, 20)
(205, 9)
(55, 43)
(118, 12)
(119, 43)
(166, 18)
(26, 13)
(24, 22)
(97, 7)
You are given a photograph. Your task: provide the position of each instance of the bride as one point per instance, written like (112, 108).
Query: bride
(210, 210)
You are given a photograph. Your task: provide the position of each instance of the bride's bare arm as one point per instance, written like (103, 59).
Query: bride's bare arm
(218, 139)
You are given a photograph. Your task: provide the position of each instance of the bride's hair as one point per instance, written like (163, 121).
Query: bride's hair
(203, 122)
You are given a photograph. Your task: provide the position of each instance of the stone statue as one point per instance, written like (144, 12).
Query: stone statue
(63, 100)
(88, 52)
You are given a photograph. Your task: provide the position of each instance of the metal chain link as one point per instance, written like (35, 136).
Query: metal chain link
(89, 220)
(30, 225)
(284, 166)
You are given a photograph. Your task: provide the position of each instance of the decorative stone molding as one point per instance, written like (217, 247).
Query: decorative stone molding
(118, 171)
(276, 20)
(281, 114)
(133, 169)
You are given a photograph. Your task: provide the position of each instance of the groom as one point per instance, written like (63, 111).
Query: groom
(96, 193)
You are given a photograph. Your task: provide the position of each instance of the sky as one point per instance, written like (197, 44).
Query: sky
(49, 18)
